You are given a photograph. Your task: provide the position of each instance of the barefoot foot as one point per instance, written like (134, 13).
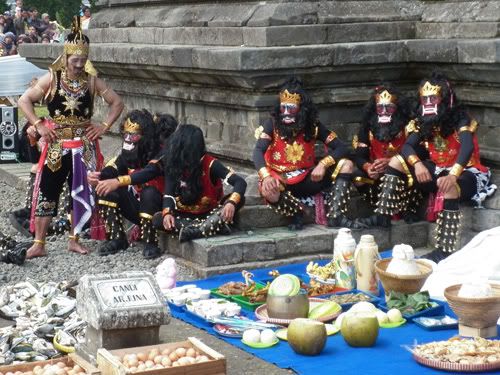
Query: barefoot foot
(35, 251)
(76, 247)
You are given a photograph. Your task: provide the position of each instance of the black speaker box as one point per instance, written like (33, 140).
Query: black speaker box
(9, 135)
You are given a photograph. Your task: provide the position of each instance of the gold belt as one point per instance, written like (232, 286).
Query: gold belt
(70, 132)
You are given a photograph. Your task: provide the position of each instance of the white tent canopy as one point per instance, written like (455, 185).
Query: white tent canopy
(16, 74)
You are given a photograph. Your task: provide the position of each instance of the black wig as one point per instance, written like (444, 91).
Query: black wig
(386, 132)
(306, 118)
(184, 151)
(451, 113)
(165, 126)
(149, 145)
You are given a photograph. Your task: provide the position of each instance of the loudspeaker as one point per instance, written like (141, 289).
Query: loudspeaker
(9, 135)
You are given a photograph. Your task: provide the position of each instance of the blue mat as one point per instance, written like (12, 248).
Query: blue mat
(386, 357)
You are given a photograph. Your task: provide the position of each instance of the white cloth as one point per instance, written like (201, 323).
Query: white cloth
(479, 259)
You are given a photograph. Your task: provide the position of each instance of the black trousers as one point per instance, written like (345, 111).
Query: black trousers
(307, 187)
(130, 206)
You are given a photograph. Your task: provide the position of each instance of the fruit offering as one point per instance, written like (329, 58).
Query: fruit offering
(156, 359)
(323, 272)
(342, 299)
(59, 368)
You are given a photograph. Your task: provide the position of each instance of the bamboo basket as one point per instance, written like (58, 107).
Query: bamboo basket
(480, 312)
(407, 284)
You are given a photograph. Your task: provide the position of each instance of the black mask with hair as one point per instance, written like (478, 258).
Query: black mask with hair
(138, 154)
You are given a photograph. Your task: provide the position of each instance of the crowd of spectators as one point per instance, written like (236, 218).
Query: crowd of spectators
(23, 25)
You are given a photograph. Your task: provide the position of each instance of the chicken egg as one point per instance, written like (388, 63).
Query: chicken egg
(166, 351)
(142, 356)
(158, 359)
(166, 361)
(173, 357)
(181, 352)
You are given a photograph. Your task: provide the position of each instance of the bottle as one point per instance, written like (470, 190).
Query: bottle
(365, 256)
(344, 246)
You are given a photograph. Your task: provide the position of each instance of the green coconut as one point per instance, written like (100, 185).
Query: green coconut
(285, 285)
(306, 336)
(360, 329)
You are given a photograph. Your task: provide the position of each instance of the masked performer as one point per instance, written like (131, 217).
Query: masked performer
(441, 155)
(131, 184)
(193, 188)
(71, 139)
(285, 160)
(380, 137)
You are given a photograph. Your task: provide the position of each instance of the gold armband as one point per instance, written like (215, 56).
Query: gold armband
(166, 211)
(327, 161)
(106, 125)
(37, 122)
(263, 173)
(456, 170)
(125, 180)
(413, 159)
(234, 198)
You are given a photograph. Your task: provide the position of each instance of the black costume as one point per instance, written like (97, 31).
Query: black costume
(285, 150)
(193, 187)
(139, 168)
(443, 138)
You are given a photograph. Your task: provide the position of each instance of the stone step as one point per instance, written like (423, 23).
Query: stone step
(457, 30)
(269, 244)
(285, 35)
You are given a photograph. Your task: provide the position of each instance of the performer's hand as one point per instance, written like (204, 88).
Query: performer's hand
(422, 173)
(168, 222)
(93, 178)
(94, 131)
(48, 134)
(227, 213)
(318, 172)
(446, 183)
(105, 187)
(270, 186)
(380, 165)
(32, 132)
(373, 174)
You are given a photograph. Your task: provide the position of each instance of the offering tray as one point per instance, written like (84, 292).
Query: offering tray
(261, 313)
(462, 355)
(320, 280)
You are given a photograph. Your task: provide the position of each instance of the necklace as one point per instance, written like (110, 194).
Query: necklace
(72, 90)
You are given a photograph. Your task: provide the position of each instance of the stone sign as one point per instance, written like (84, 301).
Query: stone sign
(122, 310)
(125, 293)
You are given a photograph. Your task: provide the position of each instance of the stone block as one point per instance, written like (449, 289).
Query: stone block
(368, 53)
(415, 234)
(376, 31)
(435, 51)
(252, 195)
(467, 11)
(295, 35)
(484, 219)
(446, 30)
(261, 216)
(477, 51)
(313, 240)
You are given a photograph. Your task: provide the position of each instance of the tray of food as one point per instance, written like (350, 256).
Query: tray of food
(252, 297)
(205, 310)
(459, 354)
(350, 297)
(413, 305)
(436, 323)
(177, 297)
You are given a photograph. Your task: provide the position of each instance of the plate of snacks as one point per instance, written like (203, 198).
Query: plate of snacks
(459, 354)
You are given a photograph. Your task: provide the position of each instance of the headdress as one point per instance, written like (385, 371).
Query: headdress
(131, 127)
(385, 98)
(76, 43)
(287, 97)
(429, 89)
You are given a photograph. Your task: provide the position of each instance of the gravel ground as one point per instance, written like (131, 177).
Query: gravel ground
(61, 264)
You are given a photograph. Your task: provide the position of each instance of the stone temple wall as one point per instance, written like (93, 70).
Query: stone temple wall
(217, 64)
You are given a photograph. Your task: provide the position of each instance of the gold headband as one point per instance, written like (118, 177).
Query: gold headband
(287, 97)
(385, 98)
(131, 127)
(428, 89)
(80, 48)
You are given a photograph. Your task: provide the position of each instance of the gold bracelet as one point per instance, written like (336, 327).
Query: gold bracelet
(263, 173)
(456, 170)
(40, 242)
(327, 161)
(125, 180)
(413, 159)
(235, 198)
(106, 125)
(73, 237)
(39, 121)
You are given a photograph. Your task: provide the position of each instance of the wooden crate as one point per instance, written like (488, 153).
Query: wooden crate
(108, 364)
(71, 360)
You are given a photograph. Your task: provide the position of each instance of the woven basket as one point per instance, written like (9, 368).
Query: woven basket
(475, 312)
(407, 284)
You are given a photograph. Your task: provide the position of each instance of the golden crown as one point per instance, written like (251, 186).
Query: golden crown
(131, 127)
(287, 97)
(385, 98)
(80, 48)
(428, 89)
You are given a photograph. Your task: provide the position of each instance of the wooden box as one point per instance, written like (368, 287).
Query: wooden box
(109, 364)
(71, 360)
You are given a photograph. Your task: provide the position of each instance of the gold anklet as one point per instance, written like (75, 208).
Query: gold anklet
(40, 242)
(73, 237)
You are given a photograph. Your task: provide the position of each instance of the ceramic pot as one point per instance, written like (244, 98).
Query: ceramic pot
(288, 307)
